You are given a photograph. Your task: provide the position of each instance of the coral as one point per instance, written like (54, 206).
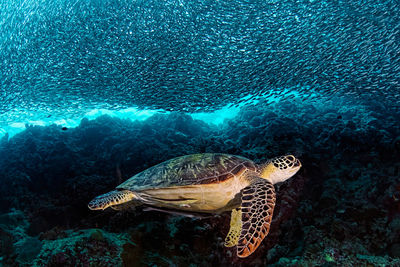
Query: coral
(27, 249)
(341, 208)
(6, 243)
(132, 255)
(86, 247)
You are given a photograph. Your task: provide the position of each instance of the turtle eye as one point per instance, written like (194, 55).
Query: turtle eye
(291, 158)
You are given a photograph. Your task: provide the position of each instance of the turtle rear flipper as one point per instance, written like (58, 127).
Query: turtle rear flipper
(232, 237)
(113, 198)
(258, 202)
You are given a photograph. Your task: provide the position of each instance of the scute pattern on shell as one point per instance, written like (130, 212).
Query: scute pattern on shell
(192, 169)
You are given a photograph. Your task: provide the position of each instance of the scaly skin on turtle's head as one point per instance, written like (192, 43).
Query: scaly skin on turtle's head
(280, 169)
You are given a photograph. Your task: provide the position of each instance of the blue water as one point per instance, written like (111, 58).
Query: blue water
(93, 92)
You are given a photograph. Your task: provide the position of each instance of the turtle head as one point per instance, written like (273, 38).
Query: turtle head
(280, 169)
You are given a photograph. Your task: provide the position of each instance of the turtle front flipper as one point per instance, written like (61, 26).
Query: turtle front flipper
(258, 202)
(112, 198)
(232, 237)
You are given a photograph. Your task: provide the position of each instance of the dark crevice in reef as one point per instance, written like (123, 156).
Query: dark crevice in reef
(342, 208)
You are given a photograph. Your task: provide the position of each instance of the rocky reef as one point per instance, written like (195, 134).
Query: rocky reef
(341, 209)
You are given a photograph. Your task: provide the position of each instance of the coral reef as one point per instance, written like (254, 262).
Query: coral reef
(342, 208)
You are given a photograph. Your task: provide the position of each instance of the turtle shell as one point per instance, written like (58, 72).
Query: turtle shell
(193, 169)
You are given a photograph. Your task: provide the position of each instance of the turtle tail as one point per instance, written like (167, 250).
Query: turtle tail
(110, 199)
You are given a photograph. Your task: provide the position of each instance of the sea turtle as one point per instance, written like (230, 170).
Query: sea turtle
(210, 183)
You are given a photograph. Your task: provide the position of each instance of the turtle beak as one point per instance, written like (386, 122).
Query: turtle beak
(297, 163)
